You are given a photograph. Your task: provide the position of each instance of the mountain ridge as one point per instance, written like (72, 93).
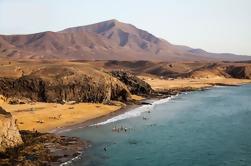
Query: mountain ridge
(107, 40)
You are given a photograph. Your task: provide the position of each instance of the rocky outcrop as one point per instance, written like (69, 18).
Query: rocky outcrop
(9, 133)
(42, 149)
(65, 84)
(2, 99)
(241, 72)
(134, 84)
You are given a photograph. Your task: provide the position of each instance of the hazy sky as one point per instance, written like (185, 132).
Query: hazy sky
(214, 25)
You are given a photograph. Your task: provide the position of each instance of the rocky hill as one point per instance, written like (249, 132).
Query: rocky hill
(167, 70)
(61, 84)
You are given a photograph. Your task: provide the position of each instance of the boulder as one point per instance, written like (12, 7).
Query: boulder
(9, 133)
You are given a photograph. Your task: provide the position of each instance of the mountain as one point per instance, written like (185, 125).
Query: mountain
(108, 40)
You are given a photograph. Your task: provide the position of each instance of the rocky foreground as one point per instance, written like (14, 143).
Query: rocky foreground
(33, 148)
(43, 149)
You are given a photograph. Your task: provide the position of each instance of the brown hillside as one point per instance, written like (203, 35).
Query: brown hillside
(108, 40)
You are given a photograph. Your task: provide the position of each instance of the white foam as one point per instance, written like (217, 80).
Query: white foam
(72, 160)
(63, 131)
(219, 86)
(135, 112)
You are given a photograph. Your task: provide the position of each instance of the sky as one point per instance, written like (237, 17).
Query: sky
(214, 25)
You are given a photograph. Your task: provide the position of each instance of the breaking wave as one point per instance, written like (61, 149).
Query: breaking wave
(135, 112)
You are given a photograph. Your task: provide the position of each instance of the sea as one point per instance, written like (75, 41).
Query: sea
(201, 128)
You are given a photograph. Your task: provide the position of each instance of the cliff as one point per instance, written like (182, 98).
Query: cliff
(65, 84)
(241, 72)
(9, 133)
(134, 84)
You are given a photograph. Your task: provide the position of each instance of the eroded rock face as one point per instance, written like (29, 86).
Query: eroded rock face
(241, 72)
(134, 84)
(9, 133)
(57, 85)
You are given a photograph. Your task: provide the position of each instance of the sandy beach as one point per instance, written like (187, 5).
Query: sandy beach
(45, 117)
(160, 84)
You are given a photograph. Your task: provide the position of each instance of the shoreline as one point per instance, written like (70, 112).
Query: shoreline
(93, 121)
(178, 112)
(130, 107)
(127, 108)
(52, 117)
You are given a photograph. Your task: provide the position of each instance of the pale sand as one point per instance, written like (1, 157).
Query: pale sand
(159, 84)
(138, 98)
(47, 116)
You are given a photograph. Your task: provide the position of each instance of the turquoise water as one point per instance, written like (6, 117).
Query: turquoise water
(206, 128)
